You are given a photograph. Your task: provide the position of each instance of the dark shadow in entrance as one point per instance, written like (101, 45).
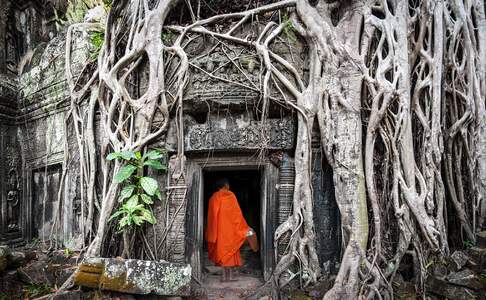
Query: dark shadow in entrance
(246, 185)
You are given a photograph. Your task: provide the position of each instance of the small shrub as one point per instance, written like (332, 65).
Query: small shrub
(468, 244)
(138, 191)
(289, 29)
(68, 252)
(97, 38)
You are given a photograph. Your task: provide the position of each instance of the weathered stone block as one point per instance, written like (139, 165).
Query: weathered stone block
(450, 291)
(4, 251)
(10, 286)
(458, 260)
(439, 270)
(478, 257)
(36, 273)
(466, 278)
(135, 276)
(17, 259)
(481, 239)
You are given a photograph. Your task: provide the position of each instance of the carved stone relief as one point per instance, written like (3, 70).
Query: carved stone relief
(12, 206)
(13, 201)
(272, 134)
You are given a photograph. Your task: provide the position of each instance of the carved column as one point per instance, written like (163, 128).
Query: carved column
(177, 204)
(285, 196)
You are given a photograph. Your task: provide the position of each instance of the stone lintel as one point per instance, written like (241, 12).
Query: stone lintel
(253, 135)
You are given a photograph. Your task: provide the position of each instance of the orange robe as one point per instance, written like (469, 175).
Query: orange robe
(226, 229)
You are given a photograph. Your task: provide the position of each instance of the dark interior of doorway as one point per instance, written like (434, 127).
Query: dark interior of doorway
(246, 185)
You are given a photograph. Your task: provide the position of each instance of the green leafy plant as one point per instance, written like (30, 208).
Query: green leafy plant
(97, 38)
(167, 37)
(107, 4)
(468, 244)
(68, 252)
(138, 191)
(289, 29)
(36, 290)
(34, 242)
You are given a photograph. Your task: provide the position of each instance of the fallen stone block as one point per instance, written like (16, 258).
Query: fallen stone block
(18, 259)
(14, 259)
(478, 258)
(458, 260)
(134, 276)
(36, 273)
(466, 278)
(4, 252)
(10, 286)
(450, 291)
(439, 270)
(481, 239)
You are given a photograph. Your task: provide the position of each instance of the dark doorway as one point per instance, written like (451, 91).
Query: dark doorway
(246, 185)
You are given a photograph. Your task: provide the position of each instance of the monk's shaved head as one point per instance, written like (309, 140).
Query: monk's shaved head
(222, 182)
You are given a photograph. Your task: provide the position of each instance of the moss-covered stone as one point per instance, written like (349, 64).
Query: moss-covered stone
(135, 276)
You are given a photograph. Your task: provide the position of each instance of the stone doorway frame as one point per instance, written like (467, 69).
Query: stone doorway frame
(195, 216)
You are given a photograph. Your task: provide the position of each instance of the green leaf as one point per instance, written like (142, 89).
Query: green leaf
(148, 216)
(155, 164)
(138, 220)
(153, 154)
(146, 199)
(113, 155)
(139, 207)
(158, 194)
(131, 203)
(124, 173)
(116, 214)
(149, 185)
(126, 220)
(126, 192)
(127, 155)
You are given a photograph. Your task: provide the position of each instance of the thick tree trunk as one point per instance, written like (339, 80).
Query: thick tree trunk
(345, 155)
(481, 110)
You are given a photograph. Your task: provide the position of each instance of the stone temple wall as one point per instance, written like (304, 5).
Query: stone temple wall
(12, 208)
(43, 104)
(33, 109)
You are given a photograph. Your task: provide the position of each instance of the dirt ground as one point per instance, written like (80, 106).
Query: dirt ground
(247, 278)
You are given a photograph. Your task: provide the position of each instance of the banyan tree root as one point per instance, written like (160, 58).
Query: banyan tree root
(396, 87)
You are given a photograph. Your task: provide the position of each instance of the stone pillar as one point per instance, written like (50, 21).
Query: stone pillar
(285, 197)
(177, 204)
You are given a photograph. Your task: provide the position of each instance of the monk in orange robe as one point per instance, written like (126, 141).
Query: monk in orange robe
(226, 230)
